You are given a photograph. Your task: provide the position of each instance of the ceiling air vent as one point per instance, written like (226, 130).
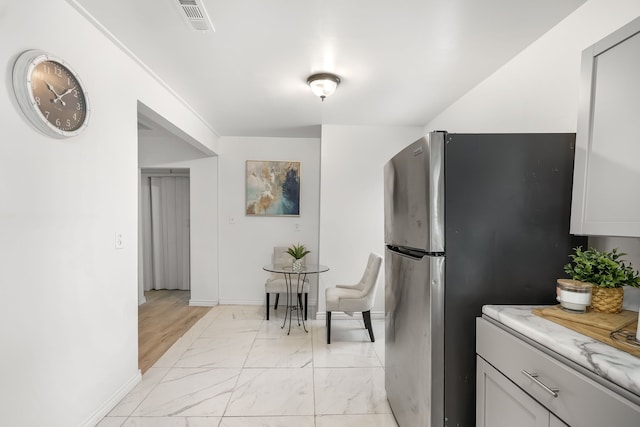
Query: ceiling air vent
(195, 14)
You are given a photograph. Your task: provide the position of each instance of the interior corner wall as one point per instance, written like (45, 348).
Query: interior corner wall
(538, 91)
(203, 227)
(68, 300)
(352, 201)
(246, 242)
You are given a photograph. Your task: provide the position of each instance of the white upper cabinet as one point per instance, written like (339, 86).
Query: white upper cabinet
(606, 184)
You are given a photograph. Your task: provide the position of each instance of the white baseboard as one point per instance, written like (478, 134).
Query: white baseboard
(339, 315)
(111, 403)
(256, 302)
(202, 303)
(224, 301)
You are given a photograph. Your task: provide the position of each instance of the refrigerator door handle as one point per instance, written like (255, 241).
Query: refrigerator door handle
(411, 253)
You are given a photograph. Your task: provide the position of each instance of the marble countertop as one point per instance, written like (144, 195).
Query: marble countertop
(604, 360)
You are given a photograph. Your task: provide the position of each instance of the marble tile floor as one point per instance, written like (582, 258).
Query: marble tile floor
(235, 369)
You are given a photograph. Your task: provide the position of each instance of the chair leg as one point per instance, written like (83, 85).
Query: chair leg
(328, 327)
(300, 302)
(275, 307)
(267, 305)
(306, 305)
(366, 315)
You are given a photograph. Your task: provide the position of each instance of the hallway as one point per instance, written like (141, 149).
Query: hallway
(235, 369)
(162, 320)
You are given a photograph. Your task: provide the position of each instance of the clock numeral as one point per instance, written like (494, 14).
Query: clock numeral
(78, 106)
(75, 117)
(57, 122)
(75, 92)
(58, 71)
(68, 123)
(47, 68)
(37, 98)
(46, 114)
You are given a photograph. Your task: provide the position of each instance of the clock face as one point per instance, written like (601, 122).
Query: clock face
(58, 95)
(50, 94)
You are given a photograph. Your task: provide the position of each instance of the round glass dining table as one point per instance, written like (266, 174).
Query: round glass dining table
(294, 280)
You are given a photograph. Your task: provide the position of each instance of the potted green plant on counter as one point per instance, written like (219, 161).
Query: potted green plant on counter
(607, 272)
(297, 252)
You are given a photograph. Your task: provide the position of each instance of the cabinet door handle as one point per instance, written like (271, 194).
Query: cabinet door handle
(534, 377)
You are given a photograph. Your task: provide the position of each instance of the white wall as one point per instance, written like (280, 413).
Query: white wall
(246, 242)
(538, 92)
(68, 298)
(352, 201)
(204, 231)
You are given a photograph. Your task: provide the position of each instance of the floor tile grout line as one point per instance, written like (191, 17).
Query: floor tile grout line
(314, 333)
(313, 376)
(235, 385)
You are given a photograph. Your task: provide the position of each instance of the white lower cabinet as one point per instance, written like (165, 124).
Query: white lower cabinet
(555, 421)
(500, 403)
(517, 384)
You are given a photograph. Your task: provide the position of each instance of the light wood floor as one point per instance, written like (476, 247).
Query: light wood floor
(164, 318)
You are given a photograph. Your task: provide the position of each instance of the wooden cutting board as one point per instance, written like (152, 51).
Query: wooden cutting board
(609, 322)
(595, 325)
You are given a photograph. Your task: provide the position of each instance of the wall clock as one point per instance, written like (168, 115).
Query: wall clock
(50, 94)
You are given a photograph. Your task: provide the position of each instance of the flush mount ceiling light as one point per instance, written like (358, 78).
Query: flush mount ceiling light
(323, 84)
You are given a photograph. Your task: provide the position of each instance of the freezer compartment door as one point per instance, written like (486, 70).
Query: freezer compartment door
(414, 195)
(414, 338)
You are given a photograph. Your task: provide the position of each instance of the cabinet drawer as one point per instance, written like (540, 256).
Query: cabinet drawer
(580, 401)
(500, 403)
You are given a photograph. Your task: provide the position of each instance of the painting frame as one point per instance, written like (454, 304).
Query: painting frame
(272, 188)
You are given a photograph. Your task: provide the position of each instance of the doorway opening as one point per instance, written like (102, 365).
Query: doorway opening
(166, 276)
(167, 157)
(165, 229)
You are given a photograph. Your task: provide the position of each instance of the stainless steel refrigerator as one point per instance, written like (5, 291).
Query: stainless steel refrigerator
(470, 219)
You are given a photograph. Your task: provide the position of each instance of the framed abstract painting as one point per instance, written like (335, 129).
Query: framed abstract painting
(272, 188)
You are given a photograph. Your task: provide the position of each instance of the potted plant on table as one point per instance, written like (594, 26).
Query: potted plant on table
(297, 252)
(607, 273)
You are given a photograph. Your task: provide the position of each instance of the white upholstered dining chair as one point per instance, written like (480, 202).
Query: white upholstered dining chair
(359, 297)
(276, 283)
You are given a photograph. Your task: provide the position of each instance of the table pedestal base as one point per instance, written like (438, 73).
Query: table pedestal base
(290, 306)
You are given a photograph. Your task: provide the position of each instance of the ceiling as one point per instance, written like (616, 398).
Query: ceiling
(401, 62)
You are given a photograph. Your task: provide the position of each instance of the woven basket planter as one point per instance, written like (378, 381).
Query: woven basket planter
(606, 300)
